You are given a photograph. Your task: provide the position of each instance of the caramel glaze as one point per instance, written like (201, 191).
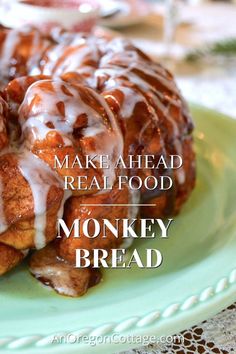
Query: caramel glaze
(72, 94)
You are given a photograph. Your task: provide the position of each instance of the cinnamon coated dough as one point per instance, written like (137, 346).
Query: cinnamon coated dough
(70, 94)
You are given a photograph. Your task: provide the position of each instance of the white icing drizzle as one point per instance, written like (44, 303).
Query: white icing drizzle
(9, 46)
(131, 98)
(121, 54)
(113, 142)
(3, 222)
(68, 57)
(127, 57)
(40, 178)
(180, 172)
(142, 131)
(48, 111)
(67, 195)
(36, 53)
(134, 199)
(163, 80)
(114, 81)
(107, 141)
(72, 61)
(117, 45)
(52, 57)
(165, 111)
(25, 252)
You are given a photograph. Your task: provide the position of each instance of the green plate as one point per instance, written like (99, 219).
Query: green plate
(197, 278)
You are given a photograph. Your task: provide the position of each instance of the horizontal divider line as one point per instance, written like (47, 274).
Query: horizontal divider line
(149, 205)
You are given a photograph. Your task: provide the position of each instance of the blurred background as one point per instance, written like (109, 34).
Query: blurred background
(195, 39)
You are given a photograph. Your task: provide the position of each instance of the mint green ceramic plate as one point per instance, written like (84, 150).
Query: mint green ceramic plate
(197, 279)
